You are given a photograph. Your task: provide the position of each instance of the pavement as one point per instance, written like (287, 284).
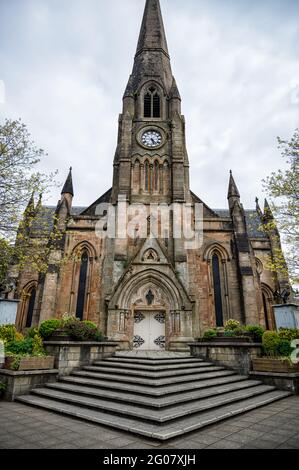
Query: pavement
(275, 426)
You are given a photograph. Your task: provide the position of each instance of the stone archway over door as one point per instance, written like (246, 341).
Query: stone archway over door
(149, 330)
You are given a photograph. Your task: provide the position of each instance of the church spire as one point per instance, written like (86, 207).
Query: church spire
(232, 188)
(152, 58)
(152, 35)
(68, 185)
(268, 214)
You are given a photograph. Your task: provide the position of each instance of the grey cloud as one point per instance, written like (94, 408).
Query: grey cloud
(65, 65)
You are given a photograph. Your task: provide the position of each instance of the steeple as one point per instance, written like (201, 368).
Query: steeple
(65, 204)
(268, 214)
(233, 191)
(258, 208)
(148, 170)
(152, 58)
(68, 185)
(234, 203)
(152, 35)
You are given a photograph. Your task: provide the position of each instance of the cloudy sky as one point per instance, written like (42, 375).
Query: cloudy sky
(65, 65)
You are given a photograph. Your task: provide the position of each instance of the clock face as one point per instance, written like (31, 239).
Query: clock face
(151, 139)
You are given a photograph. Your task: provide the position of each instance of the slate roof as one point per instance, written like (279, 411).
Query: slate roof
(253, 221)
(44, 221)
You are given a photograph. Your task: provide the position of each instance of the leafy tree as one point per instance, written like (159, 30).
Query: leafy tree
(283, 189)
(24, 232)
(19, 157)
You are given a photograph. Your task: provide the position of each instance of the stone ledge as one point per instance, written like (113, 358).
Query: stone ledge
(21, 373)
(221, 344)
(292, 375)
(236, 356)
(282, 380)
(23, 381)
(80, 343)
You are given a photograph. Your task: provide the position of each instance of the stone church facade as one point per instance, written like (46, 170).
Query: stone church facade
(146, 290)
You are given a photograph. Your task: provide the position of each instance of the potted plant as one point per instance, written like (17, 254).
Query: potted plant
(27, 354)
(233, 332)
(277, 352)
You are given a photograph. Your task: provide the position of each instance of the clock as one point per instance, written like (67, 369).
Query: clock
(151, 139)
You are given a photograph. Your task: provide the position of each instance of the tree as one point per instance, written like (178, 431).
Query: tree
(283, 190)
(19, 180)
(19, 157)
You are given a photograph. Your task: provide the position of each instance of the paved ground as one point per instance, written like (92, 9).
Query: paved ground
(273, 426)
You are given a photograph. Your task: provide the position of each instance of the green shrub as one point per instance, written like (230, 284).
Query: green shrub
(66, 319)
(232, 325)
(20, 347)
(81, 331)
(37, 346)
(8, 333)
(48, 327)
(270, 343)
(256, 330)
(98, 336)
(32, 332)
(230, 333)
(284, 348)
(288, 333)
(209, 334)
(91, 324)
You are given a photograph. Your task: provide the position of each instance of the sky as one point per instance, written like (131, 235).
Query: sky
(64, 65)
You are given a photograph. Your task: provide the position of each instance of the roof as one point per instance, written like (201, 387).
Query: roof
(44, 222)
(253, 221)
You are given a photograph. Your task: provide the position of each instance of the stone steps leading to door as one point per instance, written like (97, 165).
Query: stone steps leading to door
(153, 402)
(219, 379)
(152, 374)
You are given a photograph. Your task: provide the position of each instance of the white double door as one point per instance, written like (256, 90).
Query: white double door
(149, 330)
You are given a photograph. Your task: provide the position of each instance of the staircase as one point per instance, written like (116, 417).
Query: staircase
(157, 396)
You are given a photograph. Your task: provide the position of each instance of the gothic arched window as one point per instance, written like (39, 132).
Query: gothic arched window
(217, 289)
(30, 306)
(82, 285)
(152, 104)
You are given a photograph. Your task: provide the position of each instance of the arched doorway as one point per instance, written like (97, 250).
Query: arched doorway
(149, 311)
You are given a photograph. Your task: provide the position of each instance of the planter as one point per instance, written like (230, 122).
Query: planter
(273, 364)
(59, 335)
(229, 339)
(30, 363)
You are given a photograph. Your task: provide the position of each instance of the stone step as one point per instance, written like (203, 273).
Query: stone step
(149, 401)
(131, 360)
(149, 367)
(149, 414)
(202, 367)
(204, 374)
(218, 379)
(161, 432)
(153, 355)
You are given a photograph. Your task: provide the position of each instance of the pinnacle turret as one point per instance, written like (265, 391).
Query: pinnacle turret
(68, 185)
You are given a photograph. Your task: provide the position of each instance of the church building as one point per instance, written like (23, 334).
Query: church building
(153, 289)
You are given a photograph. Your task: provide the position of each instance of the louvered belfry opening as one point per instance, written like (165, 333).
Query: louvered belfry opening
(152, 104)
